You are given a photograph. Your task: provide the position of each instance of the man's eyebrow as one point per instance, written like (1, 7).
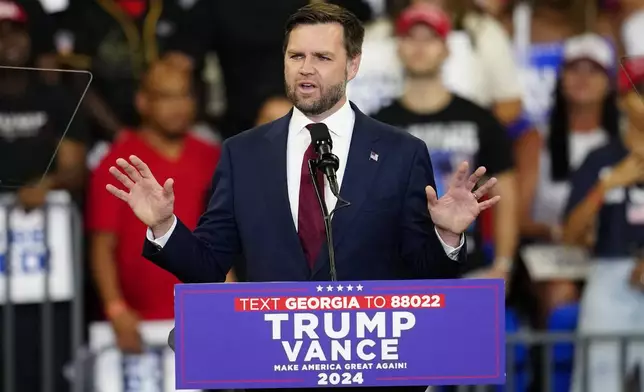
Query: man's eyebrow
(323, 53)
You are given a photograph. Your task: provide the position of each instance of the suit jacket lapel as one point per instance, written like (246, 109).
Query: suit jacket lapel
(275, 187)
(360, 171)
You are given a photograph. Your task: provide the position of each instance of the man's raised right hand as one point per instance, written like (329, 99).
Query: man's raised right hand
(152, 203)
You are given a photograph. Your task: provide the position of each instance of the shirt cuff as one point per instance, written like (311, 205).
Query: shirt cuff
(161, 241)
(452, 252)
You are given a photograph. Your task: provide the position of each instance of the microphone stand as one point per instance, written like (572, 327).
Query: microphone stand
(328, 229)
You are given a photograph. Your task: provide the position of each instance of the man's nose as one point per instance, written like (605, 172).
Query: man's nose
(307, 67)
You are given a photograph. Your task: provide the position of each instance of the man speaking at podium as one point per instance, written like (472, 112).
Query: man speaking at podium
(264, 206)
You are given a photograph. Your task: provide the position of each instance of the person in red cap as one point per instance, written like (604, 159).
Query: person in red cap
(427, 14)
(453, 128)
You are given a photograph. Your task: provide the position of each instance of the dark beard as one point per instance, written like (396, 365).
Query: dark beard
(329, 97)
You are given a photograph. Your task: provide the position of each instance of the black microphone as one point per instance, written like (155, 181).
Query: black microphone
(327, 162)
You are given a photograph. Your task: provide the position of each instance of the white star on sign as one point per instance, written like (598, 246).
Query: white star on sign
(349, 288)
(359, 287)
(340, 287)
(319, 288)
(329, 288)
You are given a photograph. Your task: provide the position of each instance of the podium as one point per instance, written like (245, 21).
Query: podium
(339, 334)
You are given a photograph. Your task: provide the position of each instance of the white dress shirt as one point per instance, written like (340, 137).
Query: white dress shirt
(340, 126)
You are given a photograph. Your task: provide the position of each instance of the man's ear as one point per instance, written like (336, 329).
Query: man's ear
(353, 66)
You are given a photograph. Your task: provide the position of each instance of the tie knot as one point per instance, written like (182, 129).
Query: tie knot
(319, 133)
(310, 151)
(311, 128)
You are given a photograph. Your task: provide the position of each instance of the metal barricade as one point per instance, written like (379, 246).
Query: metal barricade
(102, 367)
(109, 370)
(543, 345)
(121, 373)
(40, 265)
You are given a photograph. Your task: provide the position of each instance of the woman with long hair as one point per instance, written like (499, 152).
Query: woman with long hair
(539, 29)
(584, 117)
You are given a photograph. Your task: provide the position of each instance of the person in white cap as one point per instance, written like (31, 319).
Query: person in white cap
(607, 197)
(584, 117)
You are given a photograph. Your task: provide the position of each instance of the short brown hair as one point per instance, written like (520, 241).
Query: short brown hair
(321, 13)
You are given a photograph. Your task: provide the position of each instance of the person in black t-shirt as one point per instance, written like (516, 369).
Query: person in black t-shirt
(453, 128)
(33, 119)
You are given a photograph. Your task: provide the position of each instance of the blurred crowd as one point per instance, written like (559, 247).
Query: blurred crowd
(543, 93)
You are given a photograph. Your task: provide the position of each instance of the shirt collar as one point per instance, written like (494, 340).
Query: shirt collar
(337, 122)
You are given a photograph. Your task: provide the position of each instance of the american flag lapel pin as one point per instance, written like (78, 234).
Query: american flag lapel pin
(373, 156)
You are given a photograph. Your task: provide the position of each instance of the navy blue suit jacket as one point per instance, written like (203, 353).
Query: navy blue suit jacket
(386, 232)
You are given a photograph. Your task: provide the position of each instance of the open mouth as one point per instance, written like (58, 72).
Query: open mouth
(306, 87)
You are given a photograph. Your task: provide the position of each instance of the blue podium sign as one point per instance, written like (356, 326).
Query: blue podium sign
(325, 334)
